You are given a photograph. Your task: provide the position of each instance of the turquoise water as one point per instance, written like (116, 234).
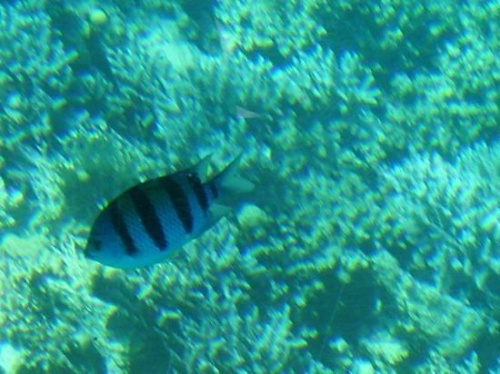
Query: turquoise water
(371, 129)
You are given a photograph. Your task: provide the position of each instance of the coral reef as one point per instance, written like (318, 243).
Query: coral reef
(371, 243)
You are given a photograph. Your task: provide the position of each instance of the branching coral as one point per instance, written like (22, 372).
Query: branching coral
(34, 76)
(371, 244)
(444, 218)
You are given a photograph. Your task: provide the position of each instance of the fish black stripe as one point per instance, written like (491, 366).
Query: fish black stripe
(199, 191)
(213, 190)
(121, 229)
(180, 203)
(149, 218)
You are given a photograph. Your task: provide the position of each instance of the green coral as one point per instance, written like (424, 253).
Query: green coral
(34, 78)
(271, 28)
(433, 201)
(371, 244)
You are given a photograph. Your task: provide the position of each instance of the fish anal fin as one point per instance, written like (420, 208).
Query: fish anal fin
(218, 211)
(215, 213)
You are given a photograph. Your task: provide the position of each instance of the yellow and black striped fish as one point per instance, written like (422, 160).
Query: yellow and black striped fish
(150, 221)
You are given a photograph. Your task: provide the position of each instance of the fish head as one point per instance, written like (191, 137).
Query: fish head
(103, 245)
(99, 248)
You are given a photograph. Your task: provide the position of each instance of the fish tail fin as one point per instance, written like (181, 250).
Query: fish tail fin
(229, 183)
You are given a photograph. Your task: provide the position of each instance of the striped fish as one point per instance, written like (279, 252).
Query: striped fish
(148, 222)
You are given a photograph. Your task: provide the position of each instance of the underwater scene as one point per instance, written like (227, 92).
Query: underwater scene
(236, 186)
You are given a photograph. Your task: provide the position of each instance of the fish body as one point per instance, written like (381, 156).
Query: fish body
(152, 220)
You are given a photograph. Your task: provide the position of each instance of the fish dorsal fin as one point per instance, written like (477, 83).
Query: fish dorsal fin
(201, 168)
(230, 182)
